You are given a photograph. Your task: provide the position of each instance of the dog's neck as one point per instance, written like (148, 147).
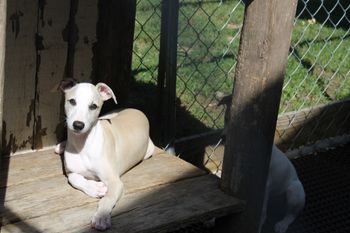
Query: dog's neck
(77, 142)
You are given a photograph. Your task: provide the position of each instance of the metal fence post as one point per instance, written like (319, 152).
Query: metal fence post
(260, 70)
(167, 71)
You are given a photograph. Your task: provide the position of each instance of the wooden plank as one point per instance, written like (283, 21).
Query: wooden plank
(53, 189)
(86, 20)
(167, 72)
(115, 37)
(259, 75)
(158, 170)
(22, 202)
(53, 18)
(3, 15)
(20, 71)
(149, 210)
(26, 168)
(45, 164)
(304, 127)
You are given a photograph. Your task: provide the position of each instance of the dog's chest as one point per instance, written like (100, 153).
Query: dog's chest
(81, 164)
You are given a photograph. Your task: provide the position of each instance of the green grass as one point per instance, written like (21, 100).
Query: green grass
(208, 40)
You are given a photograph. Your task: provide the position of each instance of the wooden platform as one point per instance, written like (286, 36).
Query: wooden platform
(162, 194)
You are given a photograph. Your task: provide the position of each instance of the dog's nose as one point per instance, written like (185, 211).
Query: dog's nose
(78, 125)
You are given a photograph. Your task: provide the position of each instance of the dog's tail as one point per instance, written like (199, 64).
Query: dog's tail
(152, 150)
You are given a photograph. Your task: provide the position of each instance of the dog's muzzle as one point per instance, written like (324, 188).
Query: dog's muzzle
(78, 125)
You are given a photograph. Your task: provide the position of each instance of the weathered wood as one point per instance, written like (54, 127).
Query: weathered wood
(46, 176)
(262, 58)
(113, 50)
(26, 168)
(3, 15)
(295, 129)
(149, 210)
(45, 164)
(161, 192)
(86, 20)
(52, 50)
(20, 72)
(167, 72)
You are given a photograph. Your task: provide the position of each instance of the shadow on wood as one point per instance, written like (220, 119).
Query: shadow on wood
(161, 193)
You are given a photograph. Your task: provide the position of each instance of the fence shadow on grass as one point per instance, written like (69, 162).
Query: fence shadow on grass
(144, 96)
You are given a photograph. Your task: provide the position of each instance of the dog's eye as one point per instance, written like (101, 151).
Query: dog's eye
(72, 102)
(93, 107)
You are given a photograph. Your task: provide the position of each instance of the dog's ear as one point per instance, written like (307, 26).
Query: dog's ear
(67, 83)
(105, 92)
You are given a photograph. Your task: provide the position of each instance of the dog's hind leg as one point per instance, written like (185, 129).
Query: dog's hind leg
(150, 149)
(264, 209)
(295, 203)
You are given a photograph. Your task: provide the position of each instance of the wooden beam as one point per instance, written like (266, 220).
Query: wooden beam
(167, 72)
(113, 50)
(52, 52)
(21, 64)
(161, 193)
(262, 58)
(3, 8)
(305, 127)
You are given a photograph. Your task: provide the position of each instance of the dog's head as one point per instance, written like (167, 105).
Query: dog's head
(83, 102)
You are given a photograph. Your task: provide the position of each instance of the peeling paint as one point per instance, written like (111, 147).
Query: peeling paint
(86, 40)
(8, 145)
(11, 145)
(70, 34)
(39, 42)
(39, 133)
(15, 22)
(30, 112)
(41, 5)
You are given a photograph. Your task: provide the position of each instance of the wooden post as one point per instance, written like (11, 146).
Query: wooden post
(167, 72)
(260, 70)
(115, 38)
(3, 10)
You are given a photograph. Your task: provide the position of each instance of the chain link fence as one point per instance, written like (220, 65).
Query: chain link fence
(317, 83)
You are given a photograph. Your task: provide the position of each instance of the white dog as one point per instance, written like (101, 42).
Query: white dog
(99, 150)
(282, 181)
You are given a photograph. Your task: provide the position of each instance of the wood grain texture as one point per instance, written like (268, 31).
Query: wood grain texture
(86, 20)
(3, 16)
(115, 37)
(262, 58)
(295, 129)
(161, 192)
(20, 71)
(43, 164)
(54, 16)
(26, 168)
(149, 210)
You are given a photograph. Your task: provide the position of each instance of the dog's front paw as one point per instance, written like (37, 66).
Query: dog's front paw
(281, 227)
(60, 147)
(101, 222)
(96, 189)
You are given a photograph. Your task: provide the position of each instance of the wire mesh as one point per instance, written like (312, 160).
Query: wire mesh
(146, 40)
(317, 74)
(207, 47)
